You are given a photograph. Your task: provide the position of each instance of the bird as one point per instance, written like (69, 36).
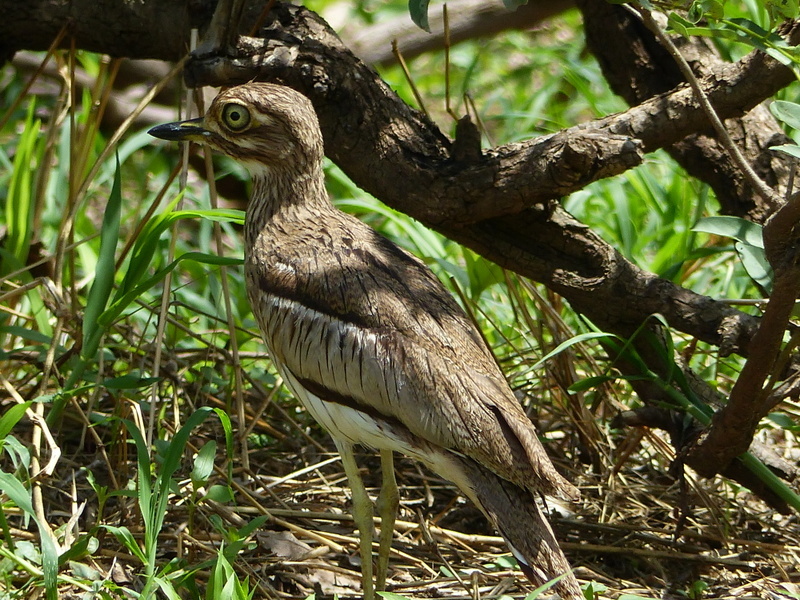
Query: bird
(372, 344)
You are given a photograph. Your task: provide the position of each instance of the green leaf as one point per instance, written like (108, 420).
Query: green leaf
(736, 228)
(418, 9)
(695, 12)
(25, 333)
(130, 382)
(227, 428)
(589, 383)
(786, 112)
(167, 588)
(204, 463)
(143, 483)
(583, 337)
(593, 590)
(679, 24)
(121, 303)
(11, 417)
(790, 149)
(252, 526)
(84, 571)
(482, 274)
(20, 198)
(784, 421)
(756, 265)
(770, 479)
(753, 30)
(219, 493)
(147, 243)
(20, 496)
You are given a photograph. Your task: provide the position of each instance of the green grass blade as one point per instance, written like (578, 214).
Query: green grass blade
(772, 481)
(225, 420)
(125, 537)
(120, 304)
(104, 274)
(145, 247)
(19, 203)
(144, 485)
(582, 337)
(204, 463)
(21, 497)
(736, 228)
(11, 417)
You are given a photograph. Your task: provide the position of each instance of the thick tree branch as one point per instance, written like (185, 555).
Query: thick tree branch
(499, 204)
(506, 179)
(149, 29)
(643, 68)
(765, 193)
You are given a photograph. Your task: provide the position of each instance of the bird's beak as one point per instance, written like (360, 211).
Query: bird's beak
(181, 131)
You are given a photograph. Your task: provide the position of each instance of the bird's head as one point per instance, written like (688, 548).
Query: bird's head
(264, 126)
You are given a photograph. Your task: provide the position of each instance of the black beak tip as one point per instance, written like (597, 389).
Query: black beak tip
(180, 131)
(167, 131)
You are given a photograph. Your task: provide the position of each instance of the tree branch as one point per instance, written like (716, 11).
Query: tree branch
(735, 424)
(764, 191)
(469, 19)
(499, 204)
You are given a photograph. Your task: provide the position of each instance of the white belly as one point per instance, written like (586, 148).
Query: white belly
(346, 423)
(356, 427)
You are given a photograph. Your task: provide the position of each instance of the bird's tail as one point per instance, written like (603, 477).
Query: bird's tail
(515, 514)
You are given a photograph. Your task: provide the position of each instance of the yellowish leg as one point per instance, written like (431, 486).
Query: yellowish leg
(362, 515)
(388, 501)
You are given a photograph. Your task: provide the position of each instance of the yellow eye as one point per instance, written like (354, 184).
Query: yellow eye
(235, 117)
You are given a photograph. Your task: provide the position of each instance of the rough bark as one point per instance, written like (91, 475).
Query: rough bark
(638, 69)
(132, 29)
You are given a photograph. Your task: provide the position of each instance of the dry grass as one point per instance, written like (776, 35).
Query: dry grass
(622, 538)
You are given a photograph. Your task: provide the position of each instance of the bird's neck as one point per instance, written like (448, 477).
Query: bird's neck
(279, 199)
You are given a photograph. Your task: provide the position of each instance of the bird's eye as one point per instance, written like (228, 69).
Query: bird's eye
(235, 117)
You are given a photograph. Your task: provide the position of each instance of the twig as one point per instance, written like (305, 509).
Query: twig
(446, 18)
(401, 61)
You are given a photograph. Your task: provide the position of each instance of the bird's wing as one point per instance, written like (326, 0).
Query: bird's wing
(360, 322)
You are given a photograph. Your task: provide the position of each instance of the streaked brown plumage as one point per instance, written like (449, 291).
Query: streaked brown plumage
(369, 340)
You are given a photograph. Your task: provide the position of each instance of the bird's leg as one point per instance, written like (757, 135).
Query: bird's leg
(362, 515)
(388, 501)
